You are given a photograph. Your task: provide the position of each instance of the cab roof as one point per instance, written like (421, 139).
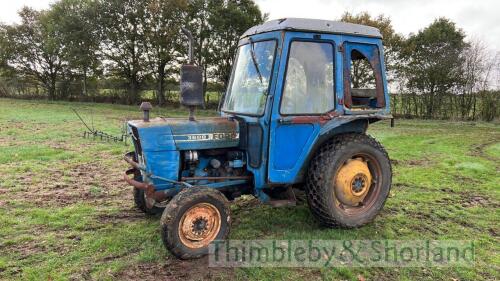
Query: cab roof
(314, 25)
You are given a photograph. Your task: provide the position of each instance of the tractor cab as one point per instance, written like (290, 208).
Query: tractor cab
(301, 95)
(296, 82)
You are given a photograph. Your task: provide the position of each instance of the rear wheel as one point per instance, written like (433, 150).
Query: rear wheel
(193, 219)
(349, 181)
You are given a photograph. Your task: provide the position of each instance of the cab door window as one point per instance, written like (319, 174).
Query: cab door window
(309, 82)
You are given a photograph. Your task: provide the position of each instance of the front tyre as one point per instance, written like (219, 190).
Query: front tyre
(348, 181)
(194, 218)
(140, 203)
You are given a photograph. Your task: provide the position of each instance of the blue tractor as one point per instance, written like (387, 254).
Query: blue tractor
(299, 101)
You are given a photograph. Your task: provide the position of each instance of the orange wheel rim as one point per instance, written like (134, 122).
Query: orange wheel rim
(352, 182)
(199, 225)
(357, 184)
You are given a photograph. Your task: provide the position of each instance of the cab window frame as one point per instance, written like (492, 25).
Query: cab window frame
(285, 76)
(271, 78)
(377, 75)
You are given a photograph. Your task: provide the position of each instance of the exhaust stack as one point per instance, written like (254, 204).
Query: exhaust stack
(191, 94)
(189, 35)
(146, 107)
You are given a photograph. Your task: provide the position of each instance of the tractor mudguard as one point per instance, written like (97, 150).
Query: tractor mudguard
(338, 125)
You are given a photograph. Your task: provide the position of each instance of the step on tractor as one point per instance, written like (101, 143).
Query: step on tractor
(301, 95)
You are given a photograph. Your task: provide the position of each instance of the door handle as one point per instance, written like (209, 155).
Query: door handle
(284, 121)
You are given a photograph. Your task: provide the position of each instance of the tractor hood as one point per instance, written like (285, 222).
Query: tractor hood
(160, 134)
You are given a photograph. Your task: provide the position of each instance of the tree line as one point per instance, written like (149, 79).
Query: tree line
(119, 48)
(128, 50)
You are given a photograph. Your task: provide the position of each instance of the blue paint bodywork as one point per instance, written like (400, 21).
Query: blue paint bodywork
(163, 139)
(288, 142)
(308, 133)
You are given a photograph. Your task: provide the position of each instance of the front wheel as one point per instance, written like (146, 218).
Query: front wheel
(348, 181)
(140, 203)
(193, 219)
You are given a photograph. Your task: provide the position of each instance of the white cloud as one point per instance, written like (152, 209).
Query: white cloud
(9, 8)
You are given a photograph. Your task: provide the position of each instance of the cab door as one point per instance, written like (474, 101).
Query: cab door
(304, 97)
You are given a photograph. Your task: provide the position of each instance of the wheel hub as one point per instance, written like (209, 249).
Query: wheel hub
(199, 225)
(353, 182)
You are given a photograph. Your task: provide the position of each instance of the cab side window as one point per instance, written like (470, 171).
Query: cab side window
(364, 87)
(309, 82)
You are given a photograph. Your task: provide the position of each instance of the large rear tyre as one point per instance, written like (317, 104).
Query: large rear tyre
(348, 181)
(193, 219)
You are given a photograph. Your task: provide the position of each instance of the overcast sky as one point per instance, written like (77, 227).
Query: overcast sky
(478, 18)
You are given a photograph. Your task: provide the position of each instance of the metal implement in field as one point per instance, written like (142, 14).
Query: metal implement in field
(100, 135)
(299, 101)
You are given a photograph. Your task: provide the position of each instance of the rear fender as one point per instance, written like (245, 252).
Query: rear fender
(327, 132)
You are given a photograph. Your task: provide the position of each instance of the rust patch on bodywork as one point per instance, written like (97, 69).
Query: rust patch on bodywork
(379, 86)
(152, 196)
(322, 119)
(347, 83)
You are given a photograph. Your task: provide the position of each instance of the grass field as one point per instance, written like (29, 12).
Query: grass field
(66, 214)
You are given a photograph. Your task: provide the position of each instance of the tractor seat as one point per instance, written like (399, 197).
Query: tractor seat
(363, 93)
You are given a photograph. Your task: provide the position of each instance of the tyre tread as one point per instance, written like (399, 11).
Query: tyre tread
(173, 210)
(316, 182)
